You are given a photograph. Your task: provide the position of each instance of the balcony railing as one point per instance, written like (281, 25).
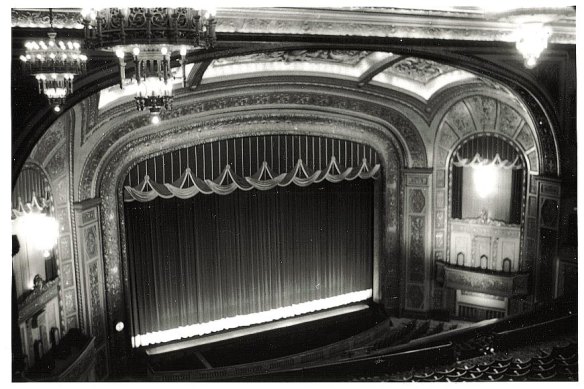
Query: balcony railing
(505, 284)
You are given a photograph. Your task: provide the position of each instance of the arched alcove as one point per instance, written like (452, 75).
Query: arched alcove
(511, 127)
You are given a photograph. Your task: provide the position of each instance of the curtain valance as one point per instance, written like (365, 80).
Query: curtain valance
(188, 185)
(478, 161)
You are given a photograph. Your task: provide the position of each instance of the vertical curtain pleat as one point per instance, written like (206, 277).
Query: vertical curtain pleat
(211, 257)
(457, 186)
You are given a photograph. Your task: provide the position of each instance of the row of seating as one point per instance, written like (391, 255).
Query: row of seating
(413, 329)
(558, 364)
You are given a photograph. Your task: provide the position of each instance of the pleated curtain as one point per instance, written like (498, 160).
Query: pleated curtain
(210, 257)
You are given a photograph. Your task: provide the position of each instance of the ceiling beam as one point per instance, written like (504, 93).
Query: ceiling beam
(377, 68)
(196, 74)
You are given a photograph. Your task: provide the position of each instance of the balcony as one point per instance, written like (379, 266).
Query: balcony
(497, 283)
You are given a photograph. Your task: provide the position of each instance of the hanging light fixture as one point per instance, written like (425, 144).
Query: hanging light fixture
(531, 40)
(54, 64)
(34, 223)
(151, 36)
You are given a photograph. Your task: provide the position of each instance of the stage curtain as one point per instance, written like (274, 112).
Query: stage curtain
(210, 257)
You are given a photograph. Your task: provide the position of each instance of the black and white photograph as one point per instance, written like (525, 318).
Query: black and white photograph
(293, 193)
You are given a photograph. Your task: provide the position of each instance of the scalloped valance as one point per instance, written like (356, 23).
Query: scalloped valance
(188, 185)
(253, 162)
(478, 161)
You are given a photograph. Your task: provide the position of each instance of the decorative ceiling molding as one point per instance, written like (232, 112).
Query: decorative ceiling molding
(312, 102)
(419, 69)
(453, 23)
(35, 18)
(345, 57)
(417, 76)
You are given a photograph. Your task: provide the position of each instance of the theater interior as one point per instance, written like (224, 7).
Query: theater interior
(294, 194)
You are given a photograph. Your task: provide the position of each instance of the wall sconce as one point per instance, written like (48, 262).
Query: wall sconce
(531, 40)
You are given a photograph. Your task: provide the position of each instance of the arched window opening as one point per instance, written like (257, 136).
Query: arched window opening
(487, 180)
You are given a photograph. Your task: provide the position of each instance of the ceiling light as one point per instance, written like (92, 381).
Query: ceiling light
(53, 65)
(531, 40)
(153, 36)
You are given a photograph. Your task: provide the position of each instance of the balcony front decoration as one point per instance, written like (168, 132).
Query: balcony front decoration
(54, 63)
(153, 37)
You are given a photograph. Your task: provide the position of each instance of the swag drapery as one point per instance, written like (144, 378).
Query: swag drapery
(208, 255)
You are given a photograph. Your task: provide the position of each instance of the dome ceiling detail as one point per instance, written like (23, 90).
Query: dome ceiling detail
(419, 69)
(418, 76)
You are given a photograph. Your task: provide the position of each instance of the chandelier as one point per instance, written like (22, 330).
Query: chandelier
(34, 222)
(54, 64)
(151, 37)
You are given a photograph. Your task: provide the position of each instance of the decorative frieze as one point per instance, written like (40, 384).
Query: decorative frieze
(417, 200)
(70, 302)
(65, 247)
(37, 299)
(498, 284)
(88, 216)
(67, 275)
(90, 241)
(416, 265)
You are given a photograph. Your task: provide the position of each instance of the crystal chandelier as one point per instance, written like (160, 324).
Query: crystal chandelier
(152, 37)
(54, 64)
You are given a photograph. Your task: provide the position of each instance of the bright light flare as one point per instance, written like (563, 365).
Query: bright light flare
(250, 319)
(40, 230)
(485, 180)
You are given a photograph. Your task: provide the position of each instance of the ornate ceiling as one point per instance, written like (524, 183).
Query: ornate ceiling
(419, 77)
(492, 23)
(444, 50)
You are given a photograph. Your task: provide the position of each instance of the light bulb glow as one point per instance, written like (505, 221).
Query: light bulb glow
(485, 180)
(531, 40)
(155, 119)
(40, 230)
(136, 51)
(120, 53)
(249, 319)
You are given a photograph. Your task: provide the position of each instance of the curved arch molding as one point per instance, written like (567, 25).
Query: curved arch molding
(111, 176)
(477, 114)
(318, 103)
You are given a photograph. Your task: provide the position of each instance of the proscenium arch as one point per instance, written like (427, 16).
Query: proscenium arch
(211, 105)
(535, 98)
(113, 173)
